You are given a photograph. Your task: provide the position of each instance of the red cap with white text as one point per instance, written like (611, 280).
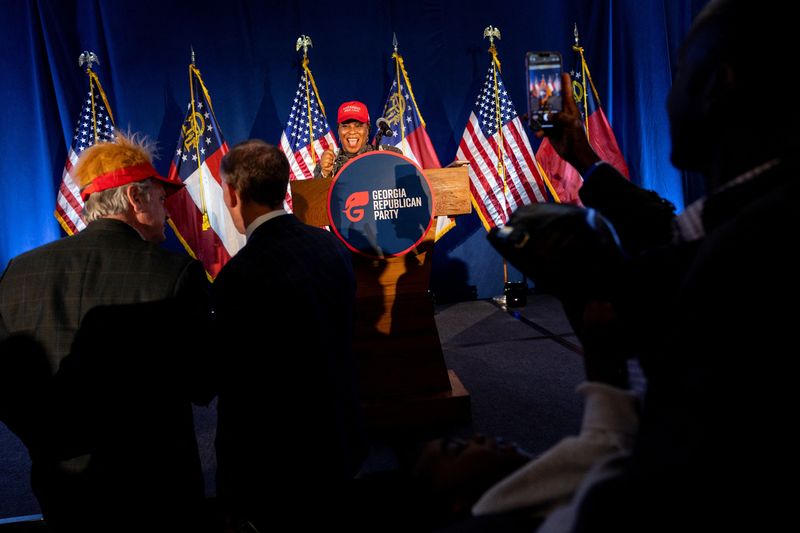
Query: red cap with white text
(353, 111)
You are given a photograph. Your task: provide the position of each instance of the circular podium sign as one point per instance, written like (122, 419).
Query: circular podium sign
(380, 204)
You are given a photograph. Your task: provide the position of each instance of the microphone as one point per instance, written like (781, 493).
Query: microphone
(384, 128)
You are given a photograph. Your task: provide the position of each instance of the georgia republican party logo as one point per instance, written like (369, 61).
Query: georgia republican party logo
(353, 207)
(380, 204)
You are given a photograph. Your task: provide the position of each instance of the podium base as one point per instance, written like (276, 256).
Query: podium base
(421, 412)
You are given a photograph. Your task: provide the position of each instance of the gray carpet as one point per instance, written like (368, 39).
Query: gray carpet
(520, 366)
(521, 372)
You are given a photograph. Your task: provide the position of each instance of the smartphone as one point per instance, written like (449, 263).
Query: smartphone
(544, 87)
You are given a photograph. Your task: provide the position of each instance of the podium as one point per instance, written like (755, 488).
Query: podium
(404, 381)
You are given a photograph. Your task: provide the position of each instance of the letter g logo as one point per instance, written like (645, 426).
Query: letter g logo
(356, 200)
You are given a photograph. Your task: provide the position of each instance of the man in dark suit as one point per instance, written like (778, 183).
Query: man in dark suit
(289, 434)
(707, 315)
(48, 290)
(130, 410)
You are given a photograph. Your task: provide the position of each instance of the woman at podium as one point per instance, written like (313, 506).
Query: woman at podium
(353, 128)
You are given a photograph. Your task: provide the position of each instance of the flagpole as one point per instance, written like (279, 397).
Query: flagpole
(491, 32)
(304, 42)
(584, 75)
(401, 69)
(193, 71)
(69, 206)
(88, 58)
(401, 101)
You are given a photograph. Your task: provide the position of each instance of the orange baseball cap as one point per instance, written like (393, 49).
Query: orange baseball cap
(131, 174)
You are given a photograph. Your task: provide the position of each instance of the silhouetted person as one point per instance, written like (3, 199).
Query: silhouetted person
(289, 436)
(47, 292)
(708, 317)
(25, 390)
(129, 408)
(30, 408)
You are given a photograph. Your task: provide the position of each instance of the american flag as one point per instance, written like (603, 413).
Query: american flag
(197, 212)
(499, 189)
(565, 179)
(95, 124)
(410, 135)
(307, 131)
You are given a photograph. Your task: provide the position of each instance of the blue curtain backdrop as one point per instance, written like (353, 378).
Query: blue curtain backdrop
(245, 50)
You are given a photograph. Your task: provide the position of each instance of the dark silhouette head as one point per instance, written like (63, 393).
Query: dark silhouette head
(725, 107)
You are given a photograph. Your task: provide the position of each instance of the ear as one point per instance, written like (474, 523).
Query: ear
(232, 194)
(134, 198)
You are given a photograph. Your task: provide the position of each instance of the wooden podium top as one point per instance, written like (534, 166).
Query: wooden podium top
(450, 188)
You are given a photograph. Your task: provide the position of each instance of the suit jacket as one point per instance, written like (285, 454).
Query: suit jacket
(289, 414)
(128, 406)
(47, 291)
(720, 381)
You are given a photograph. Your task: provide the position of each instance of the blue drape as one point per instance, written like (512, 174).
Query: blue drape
(245, 50)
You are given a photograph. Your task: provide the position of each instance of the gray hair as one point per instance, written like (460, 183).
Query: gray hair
(114, 201)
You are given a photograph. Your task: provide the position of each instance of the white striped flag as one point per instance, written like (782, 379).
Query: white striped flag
(565, 179)
(95, 124)
(197, 212)
(307, 133)
(503, 172)
(410, 136)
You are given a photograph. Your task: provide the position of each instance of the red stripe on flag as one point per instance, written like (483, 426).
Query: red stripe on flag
(70, 198)
(523, 176)
(510, 180)
(464, 153)
(421, 146)
(484, 159)
(530, 163)
(512, 187)
(66, 221)
(71, 221)
(482, 198)
(605, 144)
(214, 160)
(483, 179)
(307, 172)
(324, 144)
(563, 177)
(187, 221)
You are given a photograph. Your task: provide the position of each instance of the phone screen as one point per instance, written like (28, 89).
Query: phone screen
(544, 87)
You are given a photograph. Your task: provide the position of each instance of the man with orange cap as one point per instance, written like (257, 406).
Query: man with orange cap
(353, 127)
(102, 288)
(47, 291)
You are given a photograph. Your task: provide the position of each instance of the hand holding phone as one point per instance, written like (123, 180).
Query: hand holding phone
(544, 88)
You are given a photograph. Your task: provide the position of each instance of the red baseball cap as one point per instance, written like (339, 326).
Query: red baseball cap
(131, 174)
(107, 165)
(353, 111)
